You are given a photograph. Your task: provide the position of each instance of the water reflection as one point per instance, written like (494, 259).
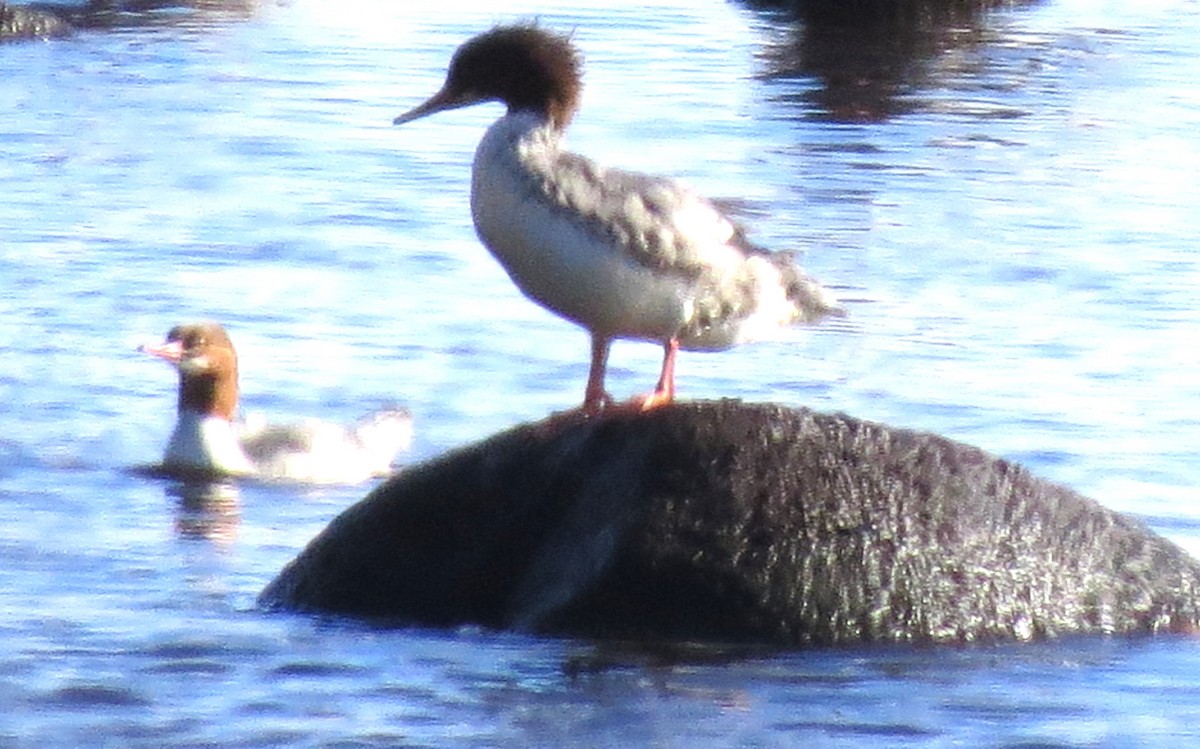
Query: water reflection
(869, 56)
(208, 510)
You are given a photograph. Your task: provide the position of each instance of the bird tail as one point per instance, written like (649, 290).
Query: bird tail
(813, 302)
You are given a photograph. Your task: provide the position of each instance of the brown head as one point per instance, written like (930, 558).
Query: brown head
(527, 67)
(207, 364)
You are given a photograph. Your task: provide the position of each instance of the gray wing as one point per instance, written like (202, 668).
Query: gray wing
(657, 222)
(668, 228)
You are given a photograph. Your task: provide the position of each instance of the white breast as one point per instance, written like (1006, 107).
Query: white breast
(205, 443)
(554, 256)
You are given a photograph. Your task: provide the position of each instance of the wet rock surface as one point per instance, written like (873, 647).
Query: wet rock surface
(730, 521)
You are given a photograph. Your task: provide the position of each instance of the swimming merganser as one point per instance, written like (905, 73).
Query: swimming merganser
(623, 254)
(206, 439)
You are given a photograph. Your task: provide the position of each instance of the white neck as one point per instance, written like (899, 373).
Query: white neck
(207, 443)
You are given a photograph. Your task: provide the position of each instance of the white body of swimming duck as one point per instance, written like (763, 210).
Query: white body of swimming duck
(625, 255)
(207, 440)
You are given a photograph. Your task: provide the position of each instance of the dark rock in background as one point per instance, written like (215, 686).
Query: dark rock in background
(52, 20)
(872, 60)
(24, 22)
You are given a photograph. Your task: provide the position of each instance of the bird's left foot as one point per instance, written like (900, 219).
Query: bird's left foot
(606, 407)
(657, 399)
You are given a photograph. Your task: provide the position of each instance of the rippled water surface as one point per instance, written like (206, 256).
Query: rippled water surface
(1006, 202)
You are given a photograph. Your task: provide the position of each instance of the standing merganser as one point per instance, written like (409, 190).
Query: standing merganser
(206, 439)
(623, 254)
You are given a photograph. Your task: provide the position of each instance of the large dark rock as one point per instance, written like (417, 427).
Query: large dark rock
(732, 521)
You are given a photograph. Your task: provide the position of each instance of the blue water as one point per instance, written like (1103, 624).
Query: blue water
(1012, 229)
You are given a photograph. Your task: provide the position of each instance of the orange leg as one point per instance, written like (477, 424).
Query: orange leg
(664, 392)
(595, 399)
